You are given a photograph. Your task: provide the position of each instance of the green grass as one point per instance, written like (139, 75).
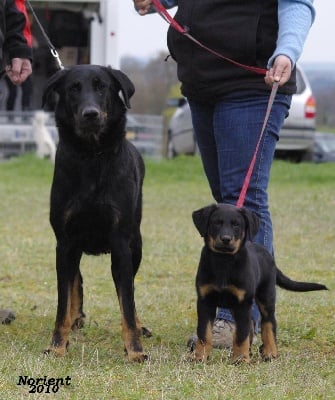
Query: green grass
(302, 198)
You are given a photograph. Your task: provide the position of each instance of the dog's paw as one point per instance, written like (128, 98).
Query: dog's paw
(191, 343)
(268, 354)
(136, 356)
(198, 358)
(240, 359)
(57, 351)
(267, 357)
(200, 349)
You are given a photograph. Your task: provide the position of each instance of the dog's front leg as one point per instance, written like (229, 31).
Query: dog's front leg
(69, 307)
(268, 348)
(206, 315)
(123, 275)
(241, 341)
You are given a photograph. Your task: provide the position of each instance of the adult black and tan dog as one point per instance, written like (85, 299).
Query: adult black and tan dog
(232, 272)
(96, 195)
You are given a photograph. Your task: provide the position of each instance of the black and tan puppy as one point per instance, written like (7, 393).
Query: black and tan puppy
(232, 272)
(96, 195)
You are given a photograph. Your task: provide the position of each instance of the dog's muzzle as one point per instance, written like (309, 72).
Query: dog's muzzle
(90, 120)
(224, 245)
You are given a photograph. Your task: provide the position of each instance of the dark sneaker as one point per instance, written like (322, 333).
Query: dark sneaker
(223, 334)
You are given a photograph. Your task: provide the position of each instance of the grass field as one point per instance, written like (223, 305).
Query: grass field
(302, 198)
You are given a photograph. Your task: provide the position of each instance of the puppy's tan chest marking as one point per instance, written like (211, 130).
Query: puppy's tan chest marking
(237, 292)
(208, 288)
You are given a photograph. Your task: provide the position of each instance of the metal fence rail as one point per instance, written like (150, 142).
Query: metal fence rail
(18, 133)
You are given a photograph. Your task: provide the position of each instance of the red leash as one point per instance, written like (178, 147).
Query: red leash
(167, 17)
(247, 178)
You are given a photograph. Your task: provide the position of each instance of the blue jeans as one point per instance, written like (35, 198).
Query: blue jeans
(227, 133)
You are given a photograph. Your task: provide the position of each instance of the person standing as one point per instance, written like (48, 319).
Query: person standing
(15, 60)
(228, 103)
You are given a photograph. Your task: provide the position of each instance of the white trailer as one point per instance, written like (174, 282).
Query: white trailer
(102, 27)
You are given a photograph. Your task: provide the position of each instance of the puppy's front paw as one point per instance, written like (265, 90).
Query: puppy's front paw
(57, 351)
(268, 354)
(137, 356)
(201, 351)
(240, 359)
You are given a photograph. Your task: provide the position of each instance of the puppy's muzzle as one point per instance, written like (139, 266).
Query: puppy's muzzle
(224, 244)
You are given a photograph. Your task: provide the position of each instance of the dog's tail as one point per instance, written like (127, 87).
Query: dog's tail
(285, 282)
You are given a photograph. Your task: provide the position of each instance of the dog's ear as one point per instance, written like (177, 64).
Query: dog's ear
(52, 86)
(126, 85)
(252, 221)
(201, 218)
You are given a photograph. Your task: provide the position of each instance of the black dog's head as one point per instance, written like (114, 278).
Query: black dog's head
(225, 227)
(90, 97)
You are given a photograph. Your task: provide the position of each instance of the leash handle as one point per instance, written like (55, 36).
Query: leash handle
(184, 31)
(247, 178)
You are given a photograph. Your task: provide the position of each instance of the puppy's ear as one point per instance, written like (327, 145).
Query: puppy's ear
(52, 86)
(126, 85)
(201, 218)
(252, 221)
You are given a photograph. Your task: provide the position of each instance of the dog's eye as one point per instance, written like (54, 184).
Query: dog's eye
(98, 85)
(235, 224)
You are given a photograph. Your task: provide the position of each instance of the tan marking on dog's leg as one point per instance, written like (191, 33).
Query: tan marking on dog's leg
(62, 332)
(241, 351)
(203, 348)
(269, 348)
(76, 302)
(131, 338)
(262, 310)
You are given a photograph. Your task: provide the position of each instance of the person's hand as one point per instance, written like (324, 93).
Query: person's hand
(19, 70)
(142, 6)
(280, 71)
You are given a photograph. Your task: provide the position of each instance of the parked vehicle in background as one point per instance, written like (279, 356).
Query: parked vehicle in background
(296, 135)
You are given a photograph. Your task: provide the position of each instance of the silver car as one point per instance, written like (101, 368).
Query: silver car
(296, 135)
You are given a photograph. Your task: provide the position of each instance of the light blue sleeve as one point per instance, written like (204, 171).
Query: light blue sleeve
(295, 18)
(169, 3)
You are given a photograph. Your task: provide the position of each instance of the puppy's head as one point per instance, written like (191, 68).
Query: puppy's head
(89, 97)
(225, 227)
